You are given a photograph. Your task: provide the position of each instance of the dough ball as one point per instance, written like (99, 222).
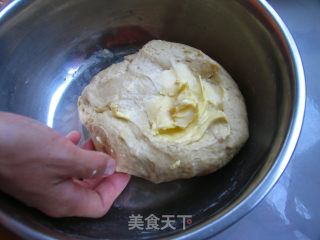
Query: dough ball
(165, 113)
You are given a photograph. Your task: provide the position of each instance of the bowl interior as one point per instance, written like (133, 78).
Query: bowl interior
(50, 49)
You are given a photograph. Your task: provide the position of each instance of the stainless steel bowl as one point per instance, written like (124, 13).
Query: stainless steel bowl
(50, 49)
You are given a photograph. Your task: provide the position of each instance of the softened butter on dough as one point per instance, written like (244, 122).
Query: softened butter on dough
(166, 112)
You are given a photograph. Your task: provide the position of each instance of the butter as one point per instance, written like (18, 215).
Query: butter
(175, 164)
(119, 113)
(99, 140)
(186, 106)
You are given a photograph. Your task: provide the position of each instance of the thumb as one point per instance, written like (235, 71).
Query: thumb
(91, 164)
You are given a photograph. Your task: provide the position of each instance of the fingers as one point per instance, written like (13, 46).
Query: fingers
(91, 164)
(92, 203)
(110, 188)
(74, 136)
(90, 183)
(88, 145)
(86, 162)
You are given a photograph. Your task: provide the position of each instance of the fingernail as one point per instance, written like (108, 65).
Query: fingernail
(111, 167)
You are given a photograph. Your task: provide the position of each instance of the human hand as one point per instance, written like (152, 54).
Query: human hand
(41, 168)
